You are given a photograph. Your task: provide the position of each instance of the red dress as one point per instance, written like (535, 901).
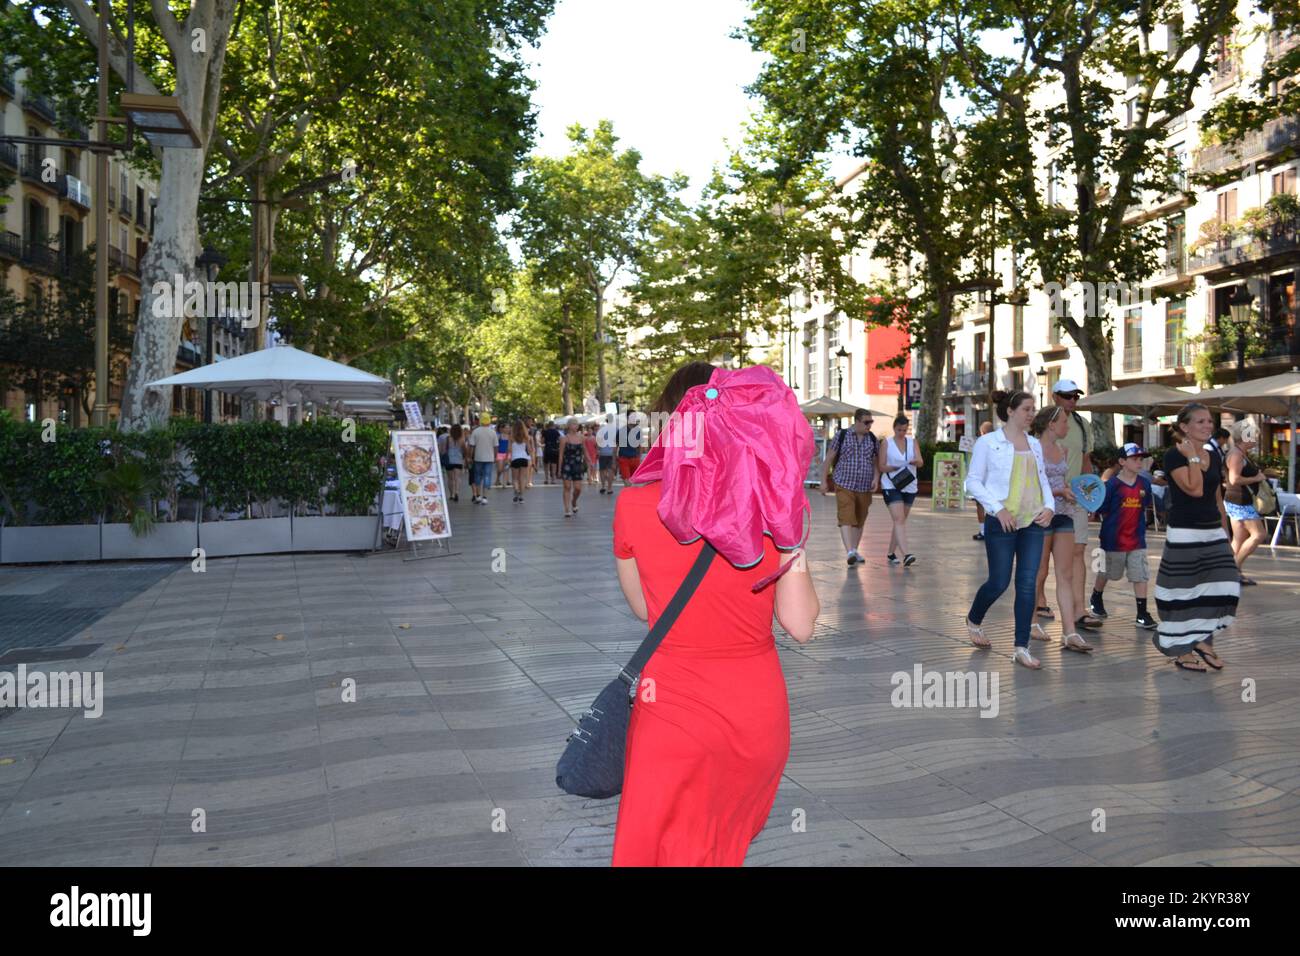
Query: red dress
(704, 758)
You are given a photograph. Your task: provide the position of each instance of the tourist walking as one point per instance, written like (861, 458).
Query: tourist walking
(521, 459)
(551, 452)
(573, 466)
(1198, 584)
(1065, 394)
(455, 460)
(483, 441)
(709, 734)
(503, 454)
(1244, 479)
(1049, 427)
(589, 445)
(851, 464)
(629, 449)
(1124, 534)
(1008, 477)
(606, 446)
(899, 463)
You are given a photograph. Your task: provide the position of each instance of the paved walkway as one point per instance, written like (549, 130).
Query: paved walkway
(224, 694)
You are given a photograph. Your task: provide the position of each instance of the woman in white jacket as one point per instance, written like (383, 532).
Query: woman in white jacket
(1007, 477)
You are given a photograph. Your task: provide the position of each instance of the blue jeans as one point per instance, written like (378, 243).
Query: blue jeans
(1025, 546)
(482, 474)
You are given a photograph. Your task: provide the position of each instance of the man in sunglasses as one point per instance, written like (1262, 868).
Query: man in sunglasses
(852, 464)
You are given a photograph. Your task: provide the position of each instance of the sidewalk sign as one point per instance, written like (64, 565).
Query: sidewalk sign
(414, 418)
(419, 483)
(949, 483)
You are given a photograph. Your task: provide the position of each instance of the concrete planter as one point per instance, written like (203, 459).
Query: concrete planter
(172, 539)
(334, 533)
(250, 536)
(71, 542)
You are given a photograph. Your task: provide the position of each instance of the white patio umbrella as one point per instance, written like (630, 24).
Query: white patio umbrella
(285, 372)
(1277, 395)
(827, 407)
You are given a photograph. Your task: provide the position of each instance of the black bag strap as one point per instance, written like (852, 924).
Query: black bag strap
(685, 590)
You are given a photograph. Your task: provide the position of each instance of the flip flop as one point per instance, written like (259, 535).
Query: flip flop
(1083, 647)
(1045, 613)
(1190, 666)
(1205, 655)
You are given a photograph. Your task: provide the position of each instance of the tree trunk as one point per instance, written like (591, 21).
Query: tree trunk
(158, 327)
(934, 357)
(600, 345)
(1096, 359)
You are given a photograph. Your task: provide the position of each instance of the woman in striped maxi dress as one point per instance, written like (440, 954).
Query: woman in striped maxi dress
(1198, 583)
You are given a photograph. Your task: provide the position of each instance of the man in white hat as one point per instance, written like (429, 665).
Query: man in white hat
(1078, 447)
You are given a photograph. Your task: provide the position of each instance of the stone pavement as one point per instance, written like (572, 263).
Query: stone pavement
(224, 693)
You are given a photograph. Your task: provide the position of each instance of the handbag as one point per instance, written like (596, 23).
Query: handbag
(1265, 499)
(902, 478)
(592, 762)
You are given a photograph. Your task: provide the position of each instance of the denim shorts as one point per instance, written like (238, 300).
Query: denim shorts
(1061, 522)
(1241, 512)
(891, 495)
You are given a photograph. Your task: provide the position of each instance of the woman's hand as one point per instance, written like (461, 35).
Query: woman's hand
(1007, 520)
(1044, 517)
(1067, 494)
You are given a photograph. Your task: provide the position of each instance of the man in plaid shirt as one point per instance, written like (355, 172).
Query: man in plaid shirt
(853, 453)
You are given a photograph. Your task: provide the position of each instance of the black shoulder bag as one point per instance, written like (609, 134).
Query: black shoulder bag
(592, 762)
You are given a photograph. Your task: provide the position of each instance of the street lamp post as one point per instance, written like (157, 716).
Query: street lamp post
(1041, 375)
(209, 265)
(1239, 306)
(839, 373)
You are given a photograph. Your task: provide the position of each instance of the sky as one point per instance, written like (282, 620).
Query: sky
(665, 72)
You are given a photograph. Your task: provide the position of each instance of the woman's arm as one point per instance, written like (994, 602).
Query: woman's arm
(797, 606)
(976, 475)
(629, 578)
(917, 459)
(1190, 480)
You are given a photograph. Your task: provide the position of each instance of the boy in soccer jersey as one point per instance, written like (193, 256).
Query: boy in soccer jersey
(1124, 534)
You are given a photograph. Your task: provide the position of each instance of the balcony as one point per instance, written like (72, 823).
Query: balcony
(32, 169)
(1248, 253)
(1172, 268)
(1282, 348)
(112, 197)
(1180, 353)
(11, 246)
(72, 125)
(40, 106)
(42, 258)
(125, 207)
(74, 191)
(9, 156)
(1275, 137)
(7, 87)
(966, 382)
(1280, 43)
(120, 261)
(1132, 358)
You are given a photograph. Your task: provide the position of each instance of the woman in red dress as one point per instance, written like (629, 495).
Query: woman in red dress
(710, 729)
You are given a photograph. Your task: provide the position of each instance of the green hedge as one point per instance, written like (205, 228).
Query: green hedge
(86, 472)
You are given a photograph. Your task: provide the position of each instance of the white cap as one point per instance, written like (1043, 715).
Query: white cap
(1065, 386)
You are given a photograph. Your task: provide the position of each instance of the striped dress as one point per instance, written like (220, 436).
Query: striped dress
(1198, 584)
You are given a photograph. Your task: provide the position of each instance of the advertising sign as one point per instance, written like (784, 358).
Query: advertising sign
(419, 481)
(948, 488)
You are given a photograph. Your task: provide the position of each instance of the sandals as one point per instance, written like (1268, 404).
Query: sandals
(1246, 581)
(976, 635)
(1207, 654)
(1046, 613)
(1192, 665)
(1088, 621)
(1036, 632)
(1022, 657)
(1073, 642)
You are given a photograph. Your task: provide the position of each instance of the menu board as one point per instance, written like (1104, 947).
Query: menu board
(419, 482)
(949, 488)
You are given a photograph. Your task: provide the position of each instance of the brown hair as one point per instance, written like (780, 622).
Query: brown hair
(1005, 402)
(1044, 418)
(1190, 409)
(456, 432)
(688, 376)
(518, 432)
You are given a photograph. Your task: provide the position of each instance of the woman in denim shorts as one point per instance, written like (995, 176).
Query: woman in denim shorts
(1049, 427)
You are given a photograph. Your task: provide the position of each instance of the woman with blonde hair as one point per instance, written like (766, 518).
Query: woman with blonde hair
(1244, 479)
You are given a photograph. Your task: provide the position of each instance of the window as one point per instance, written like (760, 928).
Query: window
(1178, 154)
(1176, 243)
(1282, 309)
(1130, 113)
(1284, 182)
(1133, 340)
(832, 333)
(1017, 328)
(1223, 63)
(1227, 205)
(1053, 331)
(1175, 35)
(1175, 347)
(814, 383)
(952, 359)
(980, 349)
